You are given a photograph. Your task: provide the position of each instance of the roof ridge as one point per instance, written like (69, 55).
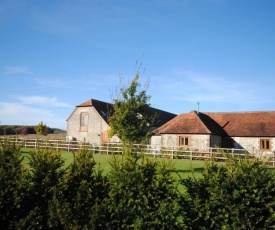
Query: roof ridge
(266, 111)
(197, 114)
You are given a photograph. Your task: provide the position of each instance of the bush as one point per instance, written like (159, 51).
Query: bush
(13, 185)
(239, 195)
(46, 175)
(138, 193)
(83, 188)
(142, 195)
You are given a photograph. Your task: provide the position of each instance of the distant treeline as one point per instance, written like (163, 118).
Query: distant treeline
(24, 130)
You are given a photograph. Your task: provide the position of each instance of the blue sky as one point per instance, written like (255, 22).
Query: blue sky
(57, 54)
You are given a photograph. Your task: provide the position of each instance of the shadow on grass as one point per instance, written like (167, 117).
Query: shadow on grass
(199, 170)
(24, 151)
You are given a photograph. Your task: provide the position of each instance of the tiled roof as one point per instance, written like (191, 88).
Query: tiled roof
(104, 108)
(249, 124)
(162, 116)
(246, 123)
(184, 123)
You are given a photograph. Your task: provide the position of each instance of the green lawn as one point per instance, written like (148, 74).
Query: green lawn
(182, 168)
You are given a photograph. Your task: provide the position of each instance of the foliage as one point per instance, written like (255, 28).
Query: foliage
(239, 195)
(41, 129)
(24, 130)
(137, 193)
(142, 196)
(13, 185)
(129, 120)
(83, 188)
(46, 174)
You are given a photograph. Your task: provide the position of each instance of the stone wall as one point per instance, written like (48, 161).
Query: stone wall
(252, 144)
(96, 126)
(195, 141)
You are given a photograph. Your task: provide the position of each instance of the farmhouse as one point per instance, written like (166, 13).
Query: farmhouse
(89, 122)
(253, 131)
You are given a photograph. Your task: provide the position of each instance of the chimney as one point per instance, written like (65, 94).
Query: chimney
(198, 105)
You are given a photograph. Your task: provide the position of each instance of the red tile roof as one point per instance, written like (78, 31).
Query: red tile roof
(184, 123)
(249, 124)
(246, 123)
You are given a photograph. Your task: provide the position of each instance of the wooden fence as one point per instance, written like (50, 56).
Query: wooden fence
(176, 152)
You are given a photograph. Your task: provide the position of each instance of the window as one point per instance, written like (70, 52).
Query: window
(183, 141)
(84, 118)
(264, 144)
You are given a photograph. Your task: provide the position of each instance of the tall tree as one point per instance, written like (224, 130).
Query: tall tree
(129, 120)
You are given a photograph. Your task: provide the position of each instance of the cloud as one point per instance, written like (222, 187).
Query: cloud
(42, 101)
(16, 70)
(48, 82)
(190, 86)
(20, 114)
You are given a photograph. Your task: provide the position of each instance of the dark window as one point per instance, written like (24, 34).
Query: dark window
(183, 141)
(265, 144)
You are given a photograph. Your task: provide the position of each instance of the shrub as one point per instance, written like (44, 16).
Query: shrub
(239, 195)
(13, 185)
(83, 188)
(46, 175)
(41, 129)
(142, 195)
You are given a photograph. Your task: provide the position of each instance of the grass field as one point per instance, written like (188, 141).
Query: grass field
(182, 168)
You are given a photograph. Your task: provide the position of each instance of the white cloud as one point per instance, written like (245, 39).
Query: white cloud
(48, 82)
(16, 70)
(42, 101)
(192, 86)
(20, 114)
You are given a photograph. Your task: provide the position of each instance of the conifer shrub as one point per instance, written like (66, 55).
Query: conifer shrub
(142, 195)
(44, 179)
(82, 190)
(239, 195)
(13, 185)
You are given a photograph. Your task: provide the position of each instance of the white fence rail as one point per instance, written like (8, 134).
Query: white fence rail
(175, 152)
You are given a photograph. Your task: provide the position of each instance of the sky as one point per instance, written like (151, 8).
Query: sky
(56, 54)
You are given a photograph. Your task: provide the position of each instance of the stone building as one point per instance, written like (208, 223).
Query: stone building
(89, 122)
(253, 131)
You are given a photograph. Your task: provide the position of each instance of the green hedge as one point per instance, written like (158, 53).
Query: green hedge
(138, 193)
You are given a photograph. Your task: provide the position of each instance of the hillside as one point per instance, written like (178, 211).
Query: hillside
(26, 130)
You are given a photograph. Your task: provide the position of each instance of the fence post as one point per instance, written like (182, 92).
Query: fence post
(172, 152)
(107, 148)
(190, 154)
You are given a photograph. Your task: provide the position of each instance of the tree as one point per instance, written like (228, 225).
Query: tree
(46, 172)
(23, 130)
(41, 129)
(142, 195)
(129, 120)
(13, 185)
(81, 192)
(239, 195)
